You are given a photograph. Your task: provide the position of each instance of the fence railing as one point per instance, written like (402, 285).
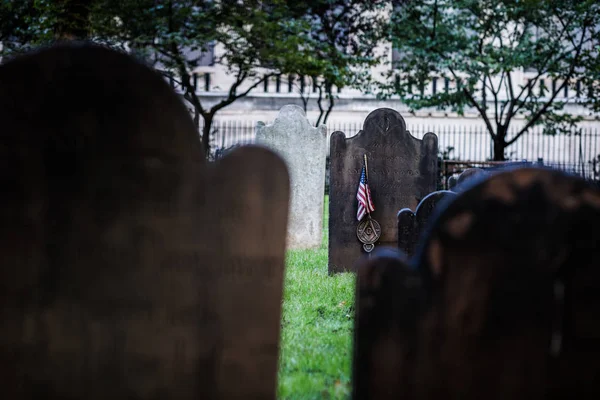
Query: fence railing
(579, 151)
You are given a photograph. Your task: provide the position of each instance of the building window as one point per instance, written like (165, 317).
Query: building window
(302, 83)
(542, 87)
(447, 85)
(207, 58)
(290, 83)
(266, 84)
(434, 85)
(396, 58)
(278, 83)
(207, 82)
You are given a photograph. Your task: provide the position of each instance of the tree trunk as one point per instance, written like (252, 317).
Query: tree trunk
(208, 120)
(500, 145)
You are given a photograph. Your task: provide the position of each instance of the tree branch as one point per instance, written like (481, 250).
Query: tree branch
(473, 102)
(495, 95)
(543, 109)
(319, 103)
(482, 112)
(233, 95)
(331, 103)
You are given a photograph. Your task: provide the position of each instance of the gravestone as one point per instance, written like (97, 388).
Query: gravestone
(411, 225)
(470, 175)
(451, 182)
(303, 148)
(501, 302)
(402, 171)
(130, 267)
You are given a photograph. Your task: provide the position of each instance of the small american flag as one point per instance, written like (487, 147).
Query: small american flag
(365, 203)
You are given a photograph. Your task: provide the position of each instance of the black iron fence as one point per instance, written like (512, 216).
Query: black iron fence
(577, 152)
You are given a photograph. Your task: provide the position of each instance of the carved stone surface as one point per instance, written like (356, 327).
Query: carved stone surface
(502, 301)
(402, 171)
(411, 225)
(303, 148)
(130, 267)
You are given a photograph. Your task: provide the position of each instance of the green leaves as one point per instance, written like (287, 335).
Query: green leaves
(486, 45)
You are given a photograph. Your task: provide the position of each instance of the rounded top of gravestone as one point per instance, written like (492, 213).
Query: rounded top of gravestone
(94, 102)
(293, 119)
(469, 173)
(292, 114)
(291, 110)
(468, 177)
(384, 120)
(434, 196)
(452, 182)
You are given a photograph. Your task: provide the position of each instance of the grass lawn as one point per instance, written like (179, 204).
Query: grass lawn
(317, 322)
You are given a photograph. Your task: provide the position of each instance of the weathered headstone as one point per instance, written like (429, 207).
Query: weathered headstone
(402, 171)
(501, 302)
(451, 182)
(469, 175)
(303, 147)
(411, 225)
(130, 267)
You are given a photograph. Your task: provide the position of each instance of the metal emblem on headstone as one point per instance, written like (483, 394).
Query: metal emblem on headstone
(368, 232)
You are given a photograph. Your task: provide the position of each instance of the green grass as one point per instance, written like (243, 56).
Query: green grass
(317, 323)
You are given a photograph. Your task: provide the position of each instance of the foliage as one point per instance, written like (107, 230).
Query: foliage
(481, 46)
(341, 38)
(329, 41)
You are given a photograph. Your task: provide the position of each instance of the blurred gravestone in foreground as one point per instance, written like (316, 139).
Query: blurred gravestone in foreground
(130, 268)
(501, 302)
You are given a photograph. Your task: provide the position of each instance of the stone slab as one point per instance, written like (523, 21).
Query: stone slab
(402, 171)
(130, 267)
(303, 147)
(502, 301)
(412, 225)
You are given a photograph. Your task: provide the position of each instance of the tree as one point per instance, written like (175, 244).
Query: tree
(341, 38)
(254, 42)
(481, 45)
(30, 23)
(330, 42)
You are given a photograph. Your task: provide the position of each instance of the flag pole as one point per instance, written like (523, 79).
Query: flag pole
(368, 194)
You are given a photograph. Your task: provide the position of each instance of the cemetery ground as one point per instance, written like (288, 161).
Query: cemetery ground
(317, 325)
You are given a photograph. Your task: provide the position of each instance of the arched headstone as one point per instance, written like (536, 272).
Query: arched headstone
(303, 147)
(411, 225)
(469, 175)
(502, 301)
(130, 267)
(402, 170)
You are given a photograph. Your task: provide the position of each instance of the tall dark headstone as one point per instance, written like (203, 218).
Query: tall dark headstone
(402, 171)
(411, 225)
(501, 302)
(130, 267)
